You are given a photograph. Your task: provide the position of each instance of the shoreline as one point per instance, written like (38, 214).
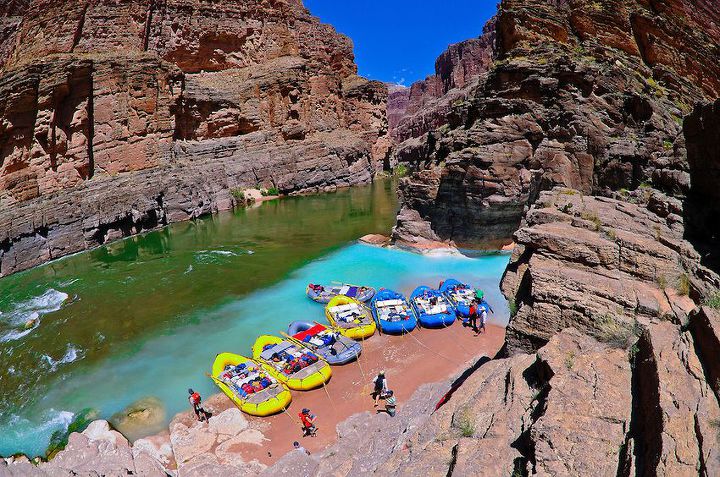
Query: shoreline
(410, 361)
(431, 248)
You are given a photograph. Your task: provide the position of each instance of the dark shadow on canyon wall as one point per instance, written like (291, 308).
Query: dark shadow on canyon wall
(702, 204)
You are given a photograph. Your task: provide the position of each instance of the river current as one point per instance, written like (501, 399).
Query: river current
(144, 317)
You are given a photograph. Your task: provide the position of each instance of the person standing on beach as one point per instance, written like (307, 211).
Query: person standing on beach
(380, 387)
(308, 422)
(473, 316)
(196, 401)
(390, 403)
(483, 319)
(299, 448)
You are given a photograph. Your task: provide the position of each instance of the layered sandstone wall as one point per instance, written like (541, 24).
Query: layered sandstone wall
(118, 117)
(588, 95)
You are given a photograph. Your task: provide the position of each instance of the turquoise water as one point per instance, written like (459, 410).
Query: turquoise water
(147, 316)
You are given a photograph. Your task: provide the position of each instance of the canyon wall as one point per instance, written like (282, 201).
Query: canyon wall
(588, 95)
(119, 117)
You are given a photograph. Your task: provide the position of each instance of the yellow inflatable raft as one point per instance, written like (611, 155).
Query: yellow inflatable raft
(290, 363)
(352, 317)
(235, 375)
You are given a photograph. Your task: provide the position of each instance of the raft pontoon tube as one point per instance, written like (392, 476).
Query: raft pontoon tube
(325, 293)
(326, 341)
(432, 307)
(296, 366)
(237, 375)
(392, 312)
(460, 295)
(351, 317)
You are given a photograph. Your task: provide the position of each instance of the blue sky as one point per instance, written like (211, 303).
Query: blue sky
(398, 40)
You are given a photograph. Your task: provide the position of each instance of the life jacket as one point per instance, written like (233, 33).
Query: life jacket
(305, 419)
(195, 398)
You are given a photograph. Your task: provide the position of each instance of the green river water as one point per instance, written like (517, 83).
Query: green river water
(145, 316)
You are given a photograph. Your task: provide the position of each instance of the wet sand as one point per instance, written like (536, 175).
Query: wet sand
(424, 356)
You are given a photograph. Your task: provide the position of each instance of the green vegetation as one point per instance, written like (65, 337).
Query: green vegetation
(400, 170)
(272, 191)
(611, 234)
(59, 439)
(659, 90)
(570, 360)
(667, 145)
(713, 301)
(465, 423)
(238, 194)
(591, 216)
(512, 306)
(661, 282)
(632, 354)
(677, 119)
(615, 333)
(683, 285)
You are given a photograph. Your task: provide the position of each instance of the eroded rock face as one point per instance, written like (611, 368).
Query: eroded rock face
(118, 117)
(587, 95)
(599, 265)
(563, 411)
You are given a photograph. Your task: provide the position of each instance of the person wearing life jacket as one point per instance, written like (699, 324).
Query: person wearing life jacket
(308, 422)
(196, 401)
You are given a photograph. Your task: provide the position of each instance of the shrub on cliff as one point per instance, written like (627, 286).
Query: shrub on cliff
(713, 301)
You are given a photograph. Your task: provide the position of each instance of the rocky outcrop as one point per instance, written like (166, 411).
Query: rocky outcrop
(216, 447)
(587, 95)
(599, 265)
(563, 411)
(120, 117)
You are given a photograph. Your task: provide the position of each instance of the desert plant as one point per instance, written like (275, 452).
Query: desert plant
(591, 216)
(661, 282)
(400, 170)
(570, 360)
(465, 423)
(683, 285)
(513, 307)
(632, 354)
(713, 301)
(667, 145)
(615, 333)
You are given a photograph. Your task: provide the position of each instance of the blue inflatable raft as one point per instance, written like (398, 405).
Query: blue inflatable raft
(432, 307)
(392, 312)
(326, 341)
(460, 295)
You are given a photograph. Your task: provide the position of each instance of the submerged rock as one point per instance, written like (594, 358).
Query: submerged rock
(141, 418)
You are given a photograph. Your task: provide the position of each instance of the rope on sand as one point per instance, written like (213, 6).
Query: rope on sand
(290, 416)
(457, 342)
(329, 398)
(433, 351)
(357, 360)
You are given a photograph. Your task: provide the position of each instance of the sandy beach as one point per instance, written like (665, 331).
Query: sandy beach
(409, 361)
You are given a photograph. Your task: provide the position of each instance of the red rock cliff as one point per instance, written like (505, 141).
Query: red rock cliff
(588, 95)
(116, 117)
